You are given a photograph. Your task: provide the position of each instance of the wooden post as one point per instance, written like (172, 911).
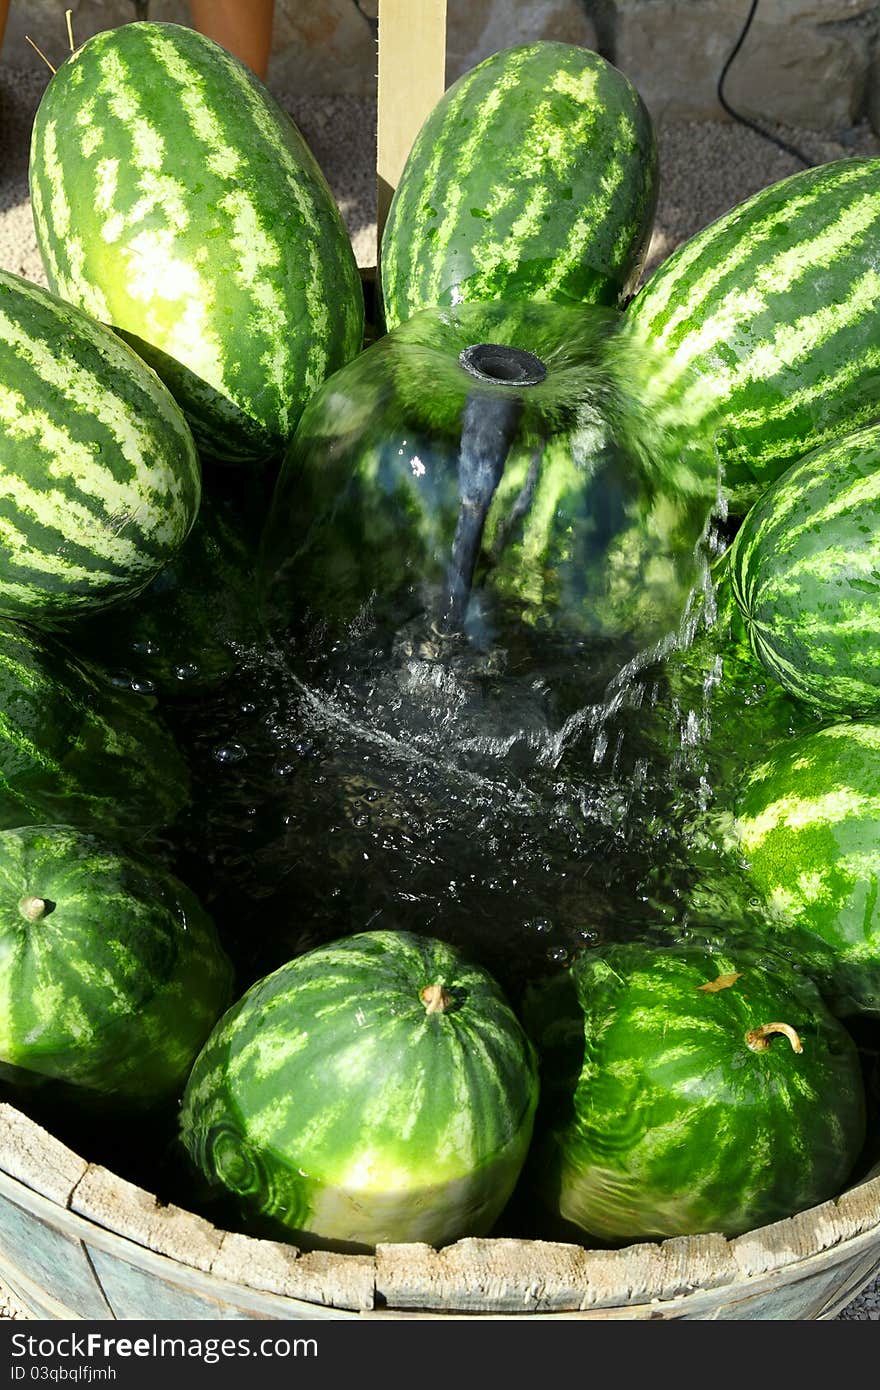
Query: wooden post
(412, 79)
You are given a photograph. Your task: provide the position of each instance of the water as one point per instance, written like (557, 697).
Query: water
(504, 705)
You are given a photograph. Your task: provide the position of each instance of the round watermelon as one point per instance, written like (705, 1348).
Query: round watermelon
(113, 974)
(806, 574)
(706, 1091)
(379, 1088)
(534, 177)
(807, 824)
(175, 200)
(482, 469)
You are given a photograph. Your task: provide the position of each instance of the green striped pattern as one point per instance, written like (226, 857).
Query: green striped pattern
(99, 478)
(186, 631)
(676, 1126)
(768, 323)
(73, 749)
(534, 177)
(113, 975)
(340, 1111)
(174, 199)
(808, 826)
(806, 572)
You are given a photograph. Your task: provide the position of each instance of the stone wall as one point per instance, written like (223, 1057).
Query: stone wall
(806, 62)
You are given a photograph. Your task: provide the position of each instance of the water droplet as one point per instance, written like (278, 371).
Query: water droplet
(229, 753)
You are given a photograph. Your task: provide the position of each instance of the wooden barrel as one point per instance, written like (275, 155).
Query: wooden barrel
(76, 1241)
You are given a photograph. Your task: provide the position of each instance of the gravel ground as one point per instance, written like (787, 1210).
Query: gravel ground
(706, 168)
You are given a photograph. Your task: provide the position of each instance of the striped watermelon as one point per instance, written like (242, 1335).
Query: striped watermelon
(808, 825)
(113, 975)
(379, 1088)
(534, 177)
(728, 709)
(185, 632)
(712, 1093)
(73, 749)
(175, 200)
(417, 485)
(806, 573)
(767, 320)
(99, 477)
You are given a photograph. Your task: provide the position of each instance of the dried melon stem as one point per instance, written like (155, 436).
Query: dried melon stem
(435, 999)
(32, 909)
(758, 1039)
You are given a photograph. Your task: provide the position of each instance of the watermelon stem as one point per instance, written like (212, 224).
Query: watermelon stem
(758, 1039)
(32, 909)
(49, 65)
(435, 999)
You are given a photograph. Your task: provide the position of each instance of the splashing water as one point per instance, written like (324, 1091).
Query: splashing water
(478, 739)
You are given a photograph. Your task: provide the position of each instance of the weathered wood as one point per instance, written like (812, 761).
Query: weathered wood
(545, 1276)
(36, 1157)
(335, 1281)
(412, 79)
(110, 1201)
(35, 1244)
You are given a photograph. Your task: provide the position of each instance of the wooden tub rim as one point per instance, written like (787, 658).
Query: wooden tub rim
(500, 1276)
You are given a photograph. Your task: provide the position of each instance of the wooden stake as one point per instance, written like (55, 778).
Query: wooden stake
(412, 79)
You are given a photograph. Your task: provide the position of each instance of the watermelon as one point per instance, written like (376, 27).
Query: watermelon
(534, 177)
(767, 321)
(74, 749)
(176, 201)
(379, 1088)
(184, 634)
(113, 974)
(482, 468)
(806, 573)
(807, 824)
(713, 1092)
(99, 477)
(727, 709)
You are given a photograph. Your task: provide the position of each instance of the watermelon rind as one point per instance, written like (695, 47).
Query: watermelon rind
(805, 566)
(534, 177)
(679, 1124)
(767, 322)
(175, 200)
(113, 972)
(342, 1111)
(99, 477)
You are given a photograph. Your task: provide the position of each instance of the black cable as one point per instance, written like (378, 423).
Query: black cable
(744, 120)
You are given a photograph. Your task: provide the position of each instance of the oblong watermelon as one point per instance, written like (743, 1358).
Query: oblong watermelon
(767, 320)
(534, 177)
(174, 199)
(113, 974)
(99, 478)
(806, 573)
(807, 821)
(379, 1088)
(74, 749)
(711, 1093)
